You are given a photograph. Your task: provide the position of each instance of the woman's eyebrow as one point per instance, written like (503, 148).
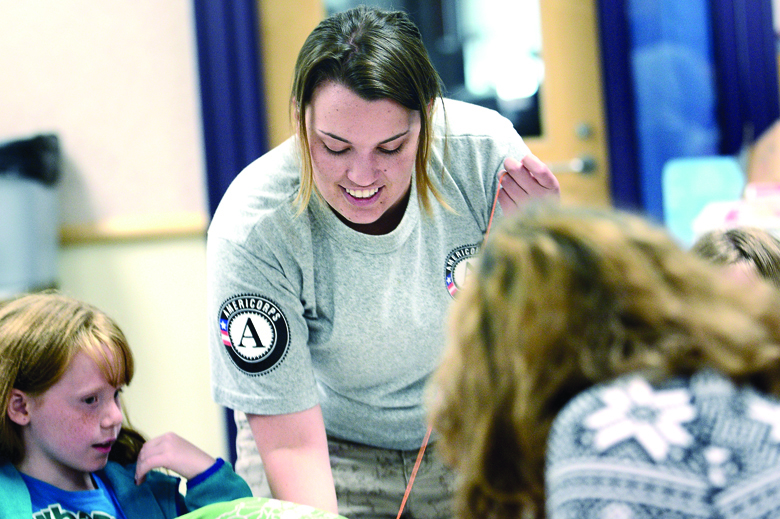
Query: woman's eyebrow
(341, 139)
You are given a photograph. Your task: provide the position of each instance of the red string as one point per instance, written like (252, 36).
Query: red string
(414, 472)
(428, 432)
(495, 203)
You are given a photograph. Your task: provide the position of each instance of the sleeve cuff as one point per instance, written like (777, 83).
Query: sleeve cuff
(206, 473)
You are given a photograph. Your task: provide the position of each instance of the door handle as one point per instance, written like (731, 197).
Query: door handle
(584, 164)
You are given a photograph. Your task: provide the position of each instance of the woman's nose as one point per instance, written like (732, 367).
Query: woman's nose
(362, 171)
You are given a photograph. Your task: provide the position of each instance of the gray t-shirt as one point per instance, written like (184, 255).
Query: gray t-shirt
(305, 310)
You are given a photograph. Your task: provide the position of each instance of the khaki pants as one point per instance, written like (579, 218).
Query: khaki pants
(370, 482)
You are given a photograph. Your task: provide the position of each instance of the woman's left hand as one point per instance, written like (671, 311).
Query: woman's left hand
(526, 179)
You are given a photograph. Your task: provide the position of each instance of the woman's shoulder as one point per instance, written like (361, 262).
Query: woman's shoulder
(261, 193)
(267, 180)
(467, 119)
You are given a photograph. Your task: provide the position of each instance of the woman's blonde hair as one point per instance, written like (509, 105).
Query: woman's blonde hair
(377, 54)
(562, 299)
(39, 336)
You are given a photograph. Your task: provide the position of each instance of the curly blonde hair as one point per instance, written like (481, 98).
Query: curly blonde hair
(562, 299)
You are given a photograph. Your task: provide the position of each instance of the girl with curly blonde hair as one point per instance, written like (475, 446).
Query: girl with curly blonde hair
(596, 369)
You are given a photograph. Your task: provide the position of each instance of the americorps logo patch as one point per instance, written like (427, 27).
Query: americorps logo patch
(254, 332)
(457, 266)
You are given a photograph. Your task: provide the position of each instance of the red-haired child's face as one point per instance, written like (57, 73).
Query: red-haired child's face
(70, 428)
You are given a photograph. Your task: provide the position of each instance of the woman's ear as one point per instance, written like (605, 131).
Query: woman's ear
(18, 405)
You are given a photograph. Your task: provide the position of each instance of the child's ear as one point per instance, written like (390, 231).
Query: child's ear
(17, 407)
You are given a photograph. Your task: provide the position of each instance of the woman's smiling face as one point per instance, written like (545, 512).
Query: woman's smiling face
(363, 156)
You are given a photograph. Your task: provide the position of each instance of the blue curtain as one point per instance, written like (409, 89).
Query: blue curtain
(618, 104)
(233, 109)
(746, 64)
(673, 73)
(688, 78)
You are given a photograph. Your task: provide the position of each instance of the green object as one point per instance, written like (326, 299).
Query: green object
(259, 508)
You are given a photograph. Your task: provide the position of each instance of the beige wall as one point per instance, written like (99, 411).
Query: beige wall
(117, 81)
(156, 290)
(118, 84)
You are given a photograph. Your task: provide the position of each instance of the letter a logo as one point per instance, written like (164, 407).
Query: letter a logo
(254, 332)
(457, 267)
(250, 339)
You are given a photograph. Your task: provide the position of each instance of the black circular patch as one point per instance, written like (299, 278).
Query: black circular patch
(457, 266)
(254, 332)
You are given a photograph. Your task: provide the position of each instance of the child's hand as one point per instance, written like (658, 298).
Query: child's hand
(171, 452)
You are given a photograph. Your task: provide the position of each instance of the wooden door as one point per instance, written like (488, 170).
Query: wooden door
(572, 112)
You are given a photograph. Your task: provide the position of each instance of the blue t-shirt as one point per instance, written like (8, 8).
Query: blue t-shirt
(50, 502)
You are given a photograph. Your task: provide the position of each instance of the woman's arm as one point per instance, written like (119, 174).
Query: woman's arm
(294, 449)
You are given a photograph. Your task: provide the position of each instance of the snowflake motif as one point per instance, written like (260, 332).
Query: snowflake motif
(651, 417)
(766, 412)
